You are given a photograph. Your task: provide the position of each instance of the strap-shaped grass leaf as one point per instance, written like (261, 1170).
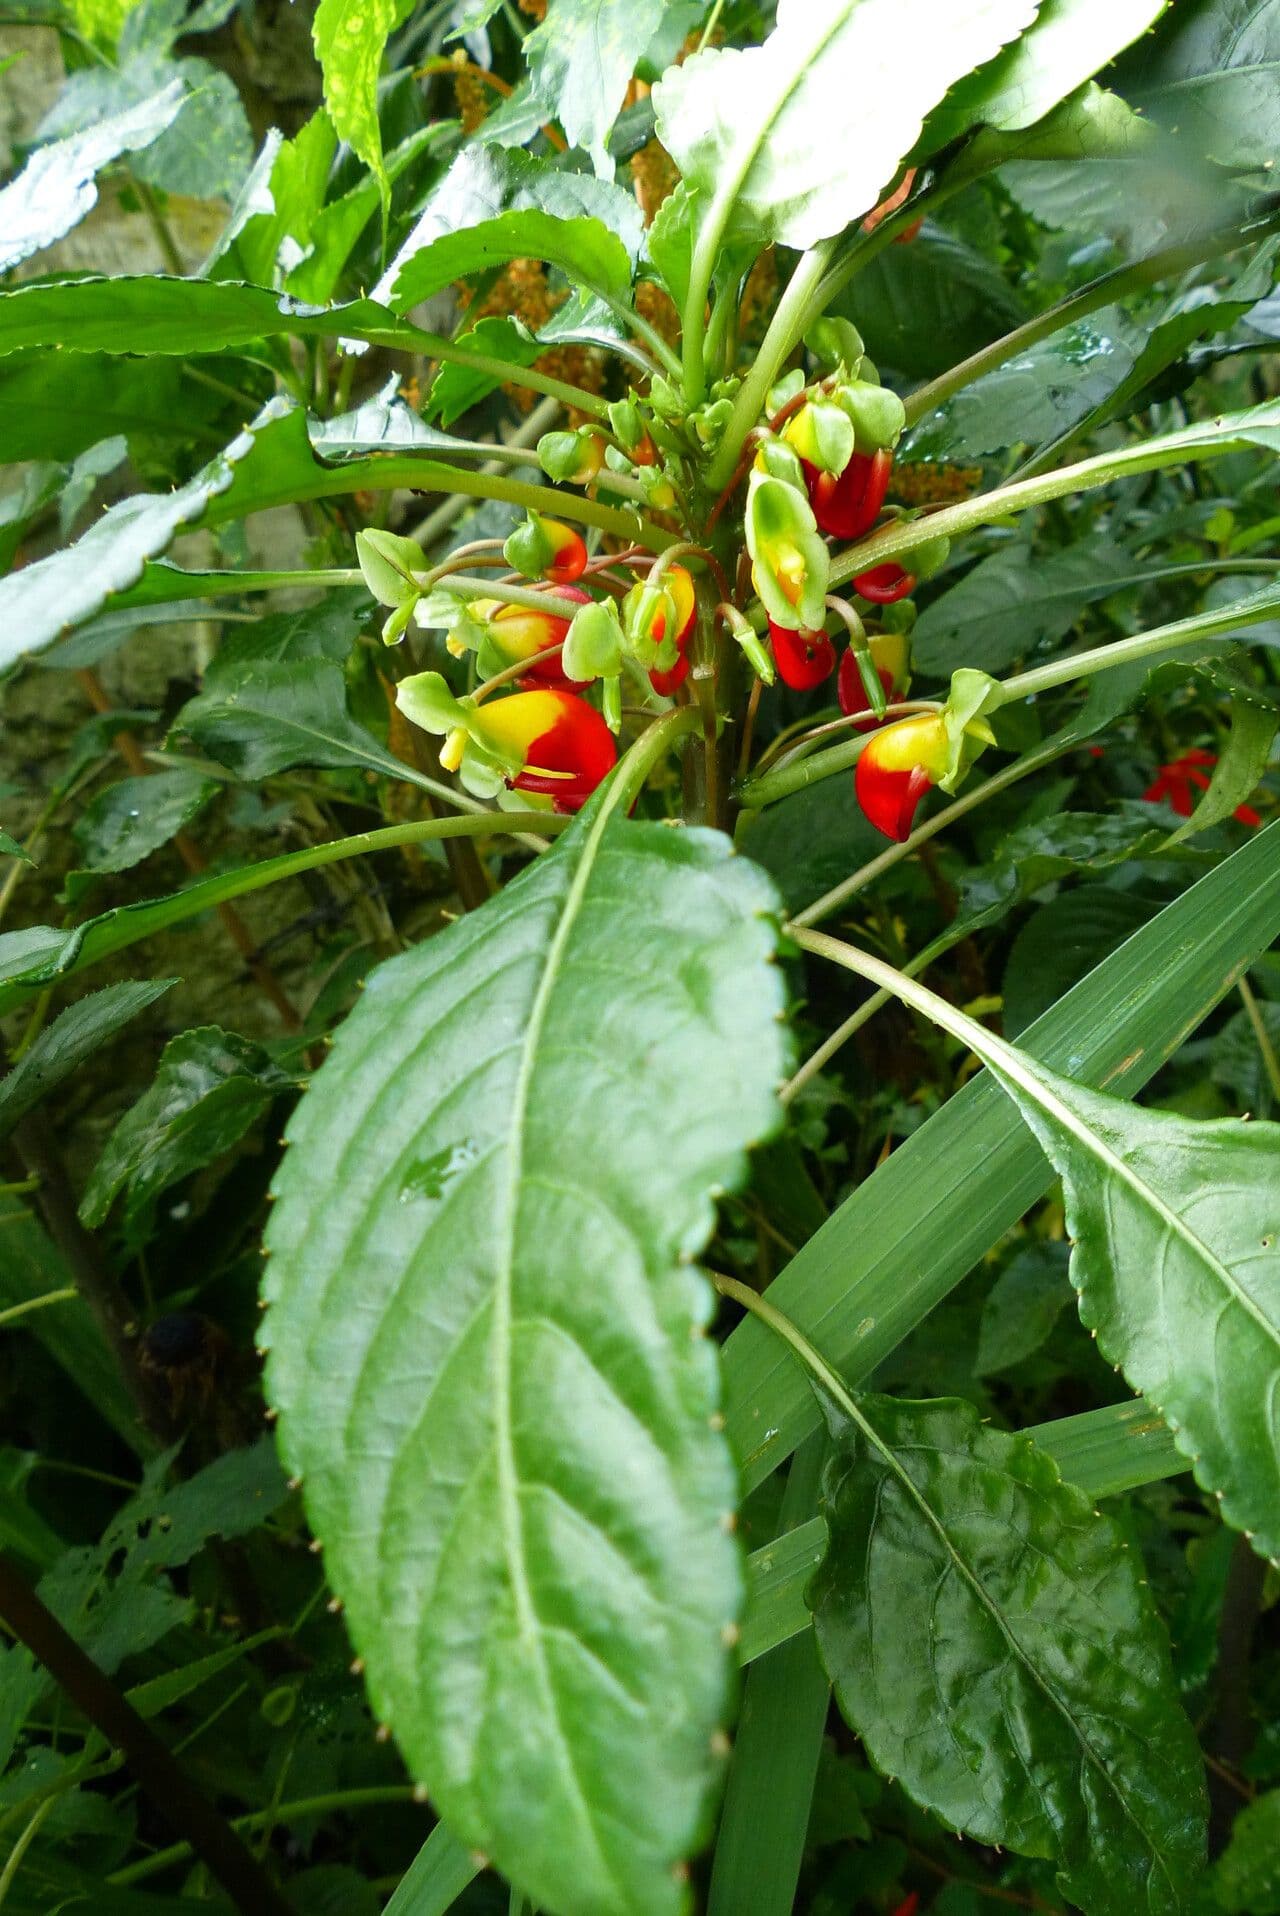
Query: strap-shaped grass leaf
(484, 1347)
(990, 1639)
(768, 127)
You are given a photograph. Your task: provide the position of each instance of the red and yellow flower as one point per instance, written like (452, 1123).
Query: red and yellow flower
(547, 742)
(891, 657)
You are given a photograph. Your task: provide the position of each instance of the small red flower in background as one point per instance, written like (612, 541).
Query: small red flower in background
(1173, 783)
(909, 1904)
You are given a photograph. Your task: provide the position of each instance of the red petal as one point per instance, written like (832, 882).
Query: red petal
(803, 659)
(885, 584)
(888, 798)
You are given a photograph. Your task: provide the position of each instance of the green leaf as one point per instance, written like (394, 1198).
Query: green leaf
(1246, 1877)
(350, 37)
(1061, 944)
(1067, 43)
(10, 848)
(56, 187)
(992, 1641)
(210, 1087)
(758, 127)
(68, 1333)
(922, 307)
(205, 151)
(436, 1877)
(881, 1263)
(580, 61)
(263, 717)
(518, 1477)
(1022, 1307)
(1035, 395)
(1210, 75)
(496, 205)
(1175, 1235)
(41, 600)
(1239, 769)
(456, 389)
(54, 405)
(1016, 601)
(133, 818)
(74, 1035)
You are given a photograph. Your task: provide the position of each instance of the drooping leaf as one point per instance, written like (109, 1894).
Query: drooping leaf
(496, 204)
(1239, 769)
(1066, 44)
(881, 1263)
(1177, 1246)
(349, 37)
(10, 848)
(56, 187)
(580, 61)
(1022, 1307)
(210, 1087)
(1016, 601)
(758, 125)
(131, 819)
(991, 1640)
(515, 1469)
(74, 1035)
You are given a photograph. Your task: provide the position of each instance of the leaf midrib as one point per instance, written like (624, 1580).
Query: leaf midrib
(506, 1475)
(899, 1470)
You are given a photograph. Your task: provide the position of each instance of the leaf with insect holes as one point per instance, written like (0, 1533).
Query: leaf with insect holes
(992, 1641)
(767, 127)
(482, 1342)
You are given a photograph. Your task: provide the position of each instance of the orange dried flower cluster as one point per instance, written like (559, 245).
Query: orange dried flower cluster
(924, 482)
(471, 94)
(522, 290)
(657, 306)
(654, 174)
(536, 9)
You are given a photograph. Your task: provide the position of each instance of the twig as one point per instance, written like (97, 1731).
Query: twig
(210, 1835)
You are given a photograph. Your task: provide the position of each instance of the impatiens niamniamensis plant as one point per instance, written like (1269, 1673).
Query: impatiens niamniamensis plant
(735, 462)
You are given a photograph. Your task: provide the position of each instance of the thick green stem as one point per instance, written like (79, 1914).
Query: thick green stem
(1145, 645)
(786, 329)
(653, 744)
(896, 540)
(1099, 292)
(435, 346)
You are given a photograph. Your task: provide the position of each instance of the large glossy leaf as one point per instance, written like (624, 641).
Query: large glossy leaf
(1176, 1255)
(497, 204)
(765, 127)
(580, 61)
(1015, 602)
(57, 186)
(1035, 395)
(922, 307)
(1211, 75)
(885, 1258)
(512, 1455)
(1068, 42)
(992, 1641)
(53, 406)
(74, 1035)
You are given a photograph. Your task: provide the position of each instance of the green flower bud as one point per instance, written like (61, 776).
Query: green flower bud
(834, 343)
(627, 423)
(822, 434)
(570, 458)
(593, 645)
(877, 415)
